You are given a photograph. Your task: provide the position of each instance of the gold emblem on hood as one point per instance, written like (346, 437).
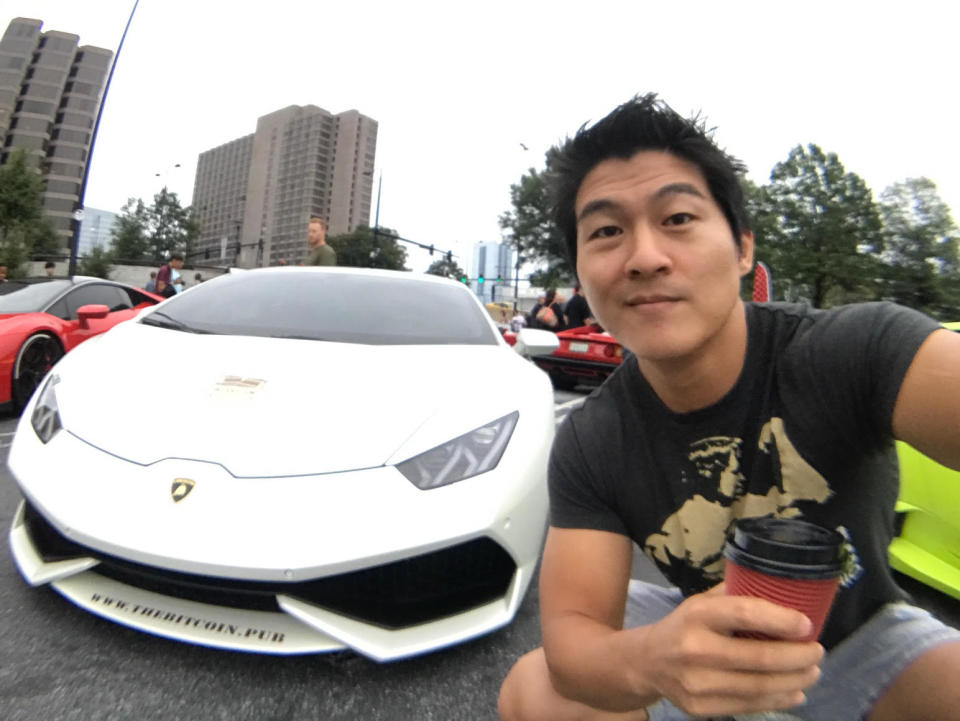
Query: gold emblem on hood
(181, 488)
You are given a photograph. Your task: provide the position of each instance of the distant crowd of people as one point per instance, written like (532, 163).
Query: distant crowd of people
(551, 313)
(168, 281)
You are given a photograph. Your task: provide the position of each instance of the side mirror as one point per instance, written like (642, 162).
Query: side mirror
(94, 311)
(533, 341)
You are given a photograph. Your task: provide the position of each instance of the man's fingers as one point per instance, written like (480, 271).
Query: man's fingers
(731, 614)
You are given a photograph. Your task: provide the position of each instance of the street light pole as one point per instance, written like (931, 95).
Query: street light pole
(78, 210)
(516, 282)
(376, 222)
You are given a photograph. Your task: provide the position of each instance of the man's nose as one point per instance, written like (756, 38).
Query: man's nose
(646, 252)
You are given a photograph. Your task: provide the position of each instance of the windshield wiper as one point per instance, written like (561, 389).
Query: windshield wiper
(168, 322)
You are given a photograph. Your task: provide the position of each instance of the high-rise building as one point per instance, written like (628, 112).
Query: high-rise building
(492, 261)
(50, 94)
(255, 195)
(95, 230)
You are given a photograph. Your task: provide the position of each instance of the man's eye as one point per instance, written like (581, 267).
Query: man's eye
(607, 231)
(678, 219)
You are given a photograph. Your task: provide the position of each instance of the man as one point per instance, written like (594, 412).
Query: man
(321, 253)
(577, 310)
(727, 411)
(3, 273)
(167, 273)
(151, 285)
(49, 267)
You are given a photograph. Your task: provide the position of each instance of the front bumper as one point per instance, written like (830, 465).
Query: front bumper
(363, 561)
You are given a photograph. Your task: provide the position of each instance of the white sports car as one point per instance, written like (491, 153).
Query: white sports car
(292, 460)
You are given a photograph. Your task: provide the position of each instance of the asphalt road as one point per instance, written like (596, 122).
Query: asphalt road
(60, 663)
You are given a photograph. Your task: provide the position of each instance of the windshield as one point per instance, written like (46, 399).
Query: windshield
(332, 306)
(17, 296)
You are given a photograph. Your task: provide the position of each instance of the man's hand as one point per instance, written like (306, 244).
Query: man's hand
(692, 657)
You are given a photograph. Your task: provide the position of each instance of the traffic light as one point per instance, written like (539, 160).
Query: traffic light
(480, 279)
(498, 278)
(449, 256)
(464, 279)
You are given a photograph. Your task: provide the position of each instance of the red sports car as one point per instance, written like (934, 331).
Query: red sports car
(43, 318)
(585, 355)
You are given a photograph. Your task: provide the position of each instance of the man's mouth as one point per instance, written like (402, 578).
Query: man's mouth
(653, 299)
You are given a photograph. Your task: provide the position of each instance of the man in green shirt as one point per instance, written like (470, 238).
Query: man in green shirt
(320, 252)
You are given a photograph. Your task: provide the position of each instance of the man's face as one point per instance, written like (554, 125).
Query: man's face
(655, 255)
(315, 234)
(176, 263)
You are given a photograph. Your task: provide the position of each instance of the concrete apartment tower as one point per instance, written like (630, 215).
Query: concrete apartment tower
(254, 196)
(50, 94)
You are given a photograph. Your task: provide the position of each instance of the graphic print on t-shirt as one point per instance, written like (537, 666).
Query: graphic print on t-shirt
(695, 533)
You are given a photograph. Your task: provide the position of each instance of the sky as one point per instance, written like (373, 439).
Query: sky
(470, 96)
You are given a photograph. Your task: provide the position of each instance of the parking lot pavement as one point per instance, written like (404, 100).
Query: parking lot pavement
(65, 664)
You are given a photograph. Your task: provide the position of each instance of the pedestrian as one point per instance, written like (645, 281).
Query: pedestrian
(518, 322)
(577, 310)
(3, 272)
(168, 273)
(725, 410)
(321, 253)
(532, 315)
(197, 278)
(49, 267)
(550, 314)
(151, 285)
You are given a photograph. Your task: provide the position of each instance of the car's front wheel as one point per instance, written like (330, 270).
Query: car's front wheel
(36, 356)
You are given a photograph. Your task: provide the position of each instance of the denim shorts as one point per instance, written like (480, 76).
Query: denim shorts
(854, 673)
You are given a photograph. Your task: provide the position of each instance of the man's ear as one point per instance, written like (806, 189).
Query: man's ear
(746, 253)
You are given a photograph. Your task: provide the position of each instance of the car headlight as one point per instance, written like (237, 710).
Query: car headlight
(46, 414)
(468, 455)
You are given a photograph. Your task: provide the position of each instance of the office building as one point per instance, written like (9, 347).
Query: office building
(493, 261)
(254, 196)
(50, 93)
(95, 230)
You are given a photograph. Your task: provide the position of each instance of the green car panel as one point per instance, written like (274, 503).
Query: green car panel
(928, 546)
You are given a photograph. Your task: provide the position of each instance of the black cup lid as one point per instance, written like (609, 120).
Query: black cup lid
(767, 542)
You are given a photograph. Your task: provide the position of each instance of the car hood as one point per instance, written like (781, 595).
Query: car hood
(274, 407)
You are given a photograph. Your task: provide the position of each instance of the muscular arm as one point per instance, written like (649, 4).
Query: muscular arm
(583, 586)
(690, 656)
(927, 411)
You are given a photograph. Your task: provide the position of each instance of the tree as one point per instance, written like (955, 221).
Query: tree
(533, 234)
(921, 249)
(96, 263)
(24, 230)
(129, 235)
(825, 245)
(360, 249)
(172, 227)
(446, 268)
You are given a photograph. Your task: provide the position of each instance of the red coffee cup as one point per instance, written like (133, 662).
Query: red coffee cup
(789, 562)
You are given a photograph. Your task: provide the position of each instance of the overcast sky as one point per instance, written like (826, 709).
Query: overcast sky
(457, 88)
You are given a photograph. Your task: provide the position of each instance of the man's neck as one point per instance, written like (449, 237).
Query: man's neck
(704, 377)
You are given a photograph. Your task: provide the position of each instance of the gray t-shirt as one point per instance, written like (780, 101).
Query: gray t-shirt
(805, 432)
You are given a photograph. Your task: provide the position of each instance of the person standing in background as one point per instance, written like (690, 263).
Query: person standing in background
(167, 274)
(321, 253)
(577, 310)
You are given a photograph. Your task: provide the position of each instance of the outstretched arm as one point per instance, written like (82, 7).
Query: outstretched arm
(927, 412)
